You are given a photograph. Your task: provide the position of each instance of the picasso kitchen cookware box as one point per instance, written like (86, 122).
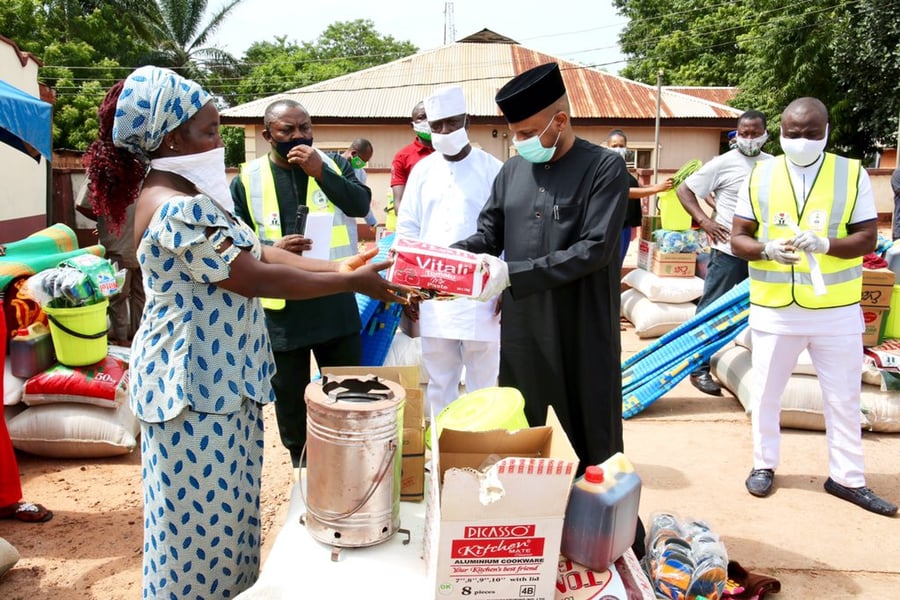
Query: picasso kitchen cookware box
(495, 507)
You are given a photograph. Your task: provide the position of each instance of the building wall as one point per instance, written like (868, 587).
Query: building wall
(23, 195)
(678, 145)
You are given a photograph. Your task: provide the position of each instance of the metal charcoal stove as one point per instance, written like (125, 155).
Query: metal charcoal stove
(354, 434)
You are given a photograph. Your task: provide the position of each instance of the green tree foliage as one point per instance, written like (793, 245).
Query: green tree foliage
(82, 49)
(866, 66)
(844, 52)
(234, 144)
(692, 41)
(88, 45)
(344, 47)
(356, 45)
(273, 67)
(789, 56)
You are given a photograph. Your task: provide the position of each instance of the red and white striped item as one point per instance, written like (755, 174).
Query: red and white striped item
(436, 270)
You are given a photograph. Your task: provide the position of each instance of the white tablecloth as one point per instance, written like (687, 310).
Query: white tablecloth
(298, 566)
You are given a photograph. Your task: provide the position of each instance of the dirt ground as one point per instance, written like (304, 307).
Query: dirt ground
(91, 549)
(692, 452)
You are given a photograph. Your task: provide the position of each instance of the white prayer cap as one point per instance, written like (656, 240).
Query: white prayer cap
(446, 102)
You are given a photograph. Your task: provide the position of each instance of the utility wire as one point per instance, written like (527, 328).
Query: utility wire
(668, 15)
(275, 82)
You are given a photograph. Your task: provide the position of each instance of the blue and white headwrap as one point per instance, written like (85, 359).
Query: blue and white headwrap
(153, 102)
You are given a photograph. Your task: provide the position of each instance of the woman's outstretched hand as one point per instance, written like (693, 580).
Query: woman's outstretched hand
(357, 260)
(366, 278)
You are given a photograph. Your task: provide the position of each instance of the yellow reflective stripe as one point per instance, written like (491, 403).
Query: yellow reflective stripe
(262, 200)
(803, 278)
(273, 303)
(317, 201)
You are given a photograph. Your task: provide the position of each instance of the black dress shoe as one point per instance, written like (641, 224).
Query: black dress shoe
(862, 497)
(706, 384)
(760, 481)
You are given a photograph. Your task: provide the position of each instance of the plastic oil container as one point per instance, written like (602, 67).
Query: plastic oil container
(31, 351)
(601, 517)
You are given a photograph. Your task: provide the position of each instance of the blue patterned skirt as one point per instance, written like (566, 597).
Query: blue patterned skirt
(201, 480)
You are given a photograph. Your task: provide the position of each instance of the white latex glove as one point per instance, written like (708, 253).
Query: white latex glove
(498, 276)
(807, 241)
(775, 250)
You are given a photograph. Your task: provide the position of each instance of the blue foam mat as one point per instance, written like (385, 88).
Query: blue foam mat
(379, 320)
(658, 367)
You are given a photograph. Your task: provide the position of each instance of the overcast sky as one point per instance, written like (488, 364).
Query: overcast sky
(582, 31)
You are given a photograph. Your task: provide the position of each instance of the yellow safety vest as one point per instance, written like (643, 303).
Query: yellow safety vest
(826, 212)
(390, 221)
(262, 200)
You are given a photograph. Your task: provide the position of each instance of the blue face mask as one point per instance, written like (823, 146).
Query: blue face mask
(283, 148)
(533, 150)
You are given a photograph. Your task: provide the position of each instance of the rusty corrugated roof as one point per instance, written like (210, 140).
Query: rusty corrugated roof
(391, 90)
(718, 94)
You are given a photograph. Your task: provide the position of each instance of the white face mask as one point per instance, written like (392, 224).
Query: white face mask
(751, 146)
(206, 170)
(450, 144)
(623, 152)
(422, 129)
(801, 151)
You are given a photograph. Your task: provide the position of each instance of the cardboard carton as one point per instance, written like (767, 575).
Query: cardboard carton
(874, 320)
(878, 287)
(681, 264)
(412, 470)
(649, 225)
(578, 582)
(412, 478)
(495, 531)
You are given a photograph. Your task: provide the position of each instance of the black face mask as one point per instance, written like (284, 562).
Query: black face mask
(283, 148)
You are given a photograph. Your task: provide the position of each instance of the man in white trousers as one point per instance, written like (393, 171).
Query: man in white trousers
(804, 220)
(443, 197)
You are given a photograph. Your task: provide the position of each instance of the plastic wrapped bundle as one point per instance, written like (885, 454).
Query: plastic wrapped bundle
(673, 242)
(685, 559)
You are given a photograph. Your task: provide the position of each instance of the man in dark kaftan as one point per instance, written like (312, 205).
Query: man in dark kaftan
(556, 212)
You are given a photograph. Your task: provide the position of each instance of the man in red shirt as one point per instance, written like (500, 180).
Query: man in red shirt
(409, 155)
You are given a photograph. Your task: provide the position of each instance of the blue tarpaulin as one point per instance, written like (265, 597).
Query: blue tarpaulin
(25, 119)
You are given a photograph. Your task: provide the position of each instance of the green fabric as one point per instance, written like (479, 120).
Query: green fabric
(41, 250)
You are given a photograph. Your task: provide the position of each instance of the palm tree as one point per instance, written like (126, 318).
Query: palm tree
(178, 34)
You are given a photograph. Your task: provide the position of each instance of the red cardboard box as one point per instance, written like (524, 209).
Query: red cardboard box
(434, 268)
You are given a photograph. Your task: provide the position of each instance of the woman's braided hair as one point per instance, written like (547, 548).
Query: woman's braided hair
(114, 174)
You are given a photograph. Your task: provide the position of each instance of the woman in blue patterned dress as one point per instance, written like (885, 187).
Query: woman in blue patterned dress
(201, 360)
